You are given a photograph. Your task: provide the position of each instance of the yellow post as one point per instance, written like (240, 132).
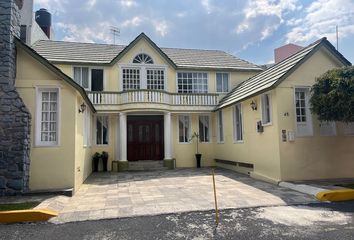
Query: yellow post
(216, 202)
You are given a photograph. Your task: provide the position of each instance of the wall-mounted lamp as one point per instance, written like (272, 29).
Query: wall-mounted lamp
(253, 105)
(82, 108)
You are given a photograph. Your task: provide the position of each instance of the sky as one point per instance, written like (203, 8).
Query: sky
(249, 29)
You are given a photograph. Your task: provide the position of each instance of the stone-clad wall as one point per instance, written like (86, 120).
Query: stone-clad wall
(15, 119)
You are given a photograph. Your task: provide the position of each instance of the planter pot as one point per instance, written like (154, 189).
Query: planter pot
(198, 157)
(104, 163)
(95, 164)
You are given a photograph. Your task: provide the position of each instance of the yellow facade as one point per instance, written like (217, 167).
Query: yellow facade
(69, 163)
(54, 167)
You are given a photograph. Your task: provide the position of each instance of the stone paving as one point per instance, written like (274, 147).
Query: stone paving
(112, 195)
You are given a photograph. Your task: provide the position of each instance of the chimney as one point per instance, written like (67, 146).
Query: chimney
(285, 51)
(14, 116)
(44, 20)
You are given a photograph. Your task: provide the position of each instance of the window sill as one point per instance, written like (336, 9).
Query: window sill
(184, 143)
(220, 142)
(46, 146)
(102, 145)
(205, 142)
(267, 124)
(238, 142)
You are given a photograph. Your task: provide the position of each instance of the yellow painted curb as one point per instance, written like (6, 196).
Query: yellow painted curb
(336, 195)
(31, 215)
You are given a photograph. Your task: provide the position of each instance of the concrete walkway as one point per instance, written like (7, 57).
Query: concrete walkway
(114, 195)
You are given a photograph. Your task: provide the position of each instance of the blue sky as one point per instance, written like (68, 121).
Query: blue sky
(248, 29)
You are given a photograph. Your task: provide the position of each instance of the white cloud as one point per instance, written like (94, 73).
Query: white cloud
(161, 27)
(207, 6)
(263, 17)
(99, 32)
(90, 4)
(54, 6)
(134, 22)
(320, 20)
(128, 3)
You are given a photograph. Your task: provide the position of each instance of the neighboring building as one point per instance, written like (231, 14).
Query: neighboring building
(143, 102)
(269, 131)
(30, 30)
(285, 51)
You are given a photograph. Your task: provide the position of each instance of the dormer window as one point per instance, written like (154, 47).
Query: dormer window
(143, 58)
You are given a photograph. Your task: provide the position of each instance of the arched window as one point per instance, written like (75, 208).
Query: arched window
(143, 58)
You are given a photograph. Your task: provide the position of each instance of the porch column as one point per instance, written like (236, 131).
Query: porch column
(167, 135)
(123, 136)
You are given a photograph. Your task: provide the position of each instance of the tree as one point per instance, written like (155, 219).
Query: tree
(333, 95)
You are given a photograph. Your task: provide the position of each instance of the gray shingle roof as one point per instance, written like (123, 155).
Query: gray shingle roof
(272, 76)
(74, 52)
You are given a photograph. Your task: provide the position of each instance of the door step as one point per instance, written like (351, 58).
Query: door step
(146, 165)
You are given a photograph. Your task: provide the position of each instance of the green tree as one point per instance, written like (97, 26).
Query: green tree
(333, 95)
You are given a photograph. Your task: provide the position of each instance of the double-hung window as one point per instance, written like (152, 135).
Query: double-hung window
(155, 79)
(192, 82)
(204, 128)
(102, 130)
(266, 109)
(238, 123)
(302, 111)
(87, 127)
(131, 78)
(222, 82)
(47, 122)
(91, 79)
(220, 133)
(184, 128)
(81, 77)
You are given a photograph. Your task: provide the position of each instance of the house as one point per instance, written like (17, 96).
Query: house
(69, 100)
(269, 130)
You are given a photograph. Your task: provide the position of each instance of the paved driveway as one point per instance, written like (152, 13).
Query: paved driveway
(112, 195)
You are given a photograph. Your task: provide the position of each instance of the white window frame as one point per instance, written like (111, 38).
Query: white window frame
(143, 73)
(235, 120)
(209, 128)
(220, 126)
(108, 131)
(207, 78)
(87, 130)
(263, 109)
(39, 91)
(309, 123)
(228, 82)
(189, 128)
(90, 76)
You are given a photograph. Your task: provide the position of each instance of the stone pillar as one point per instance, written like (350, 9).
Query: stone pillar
(123, 162)
(167, 135)
(15, 119)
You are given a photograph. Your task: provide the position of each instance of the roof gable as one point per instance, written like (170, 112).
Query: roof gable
(55, 70)
(273, 76)
(134, 42)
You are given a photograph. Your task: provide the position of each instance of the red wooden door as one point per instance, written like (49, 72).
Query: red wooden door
(145, 138)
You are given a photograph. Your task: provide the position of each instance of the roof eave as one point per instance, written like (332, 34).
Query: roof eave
(56, 70)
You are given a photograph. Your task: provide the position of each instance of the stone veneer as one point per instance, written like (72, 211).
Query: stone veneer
(15, 119)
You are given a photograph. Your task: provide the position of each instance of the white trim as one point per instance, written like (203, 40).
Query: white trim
(189, 128)
(108, 131)
(90, 67)
(270, 109)
(218, 139)
(228, 82)
(191, 71)
(209, 127)
(234, 124)
(309, 122)
(38, 121)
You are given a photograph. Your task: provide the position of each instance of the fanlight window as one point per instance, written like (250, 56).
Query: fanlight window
(143, 58)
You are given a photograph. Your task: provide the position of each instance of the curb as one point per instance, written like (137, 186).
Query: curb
(321, 194)
(336, 195)
(32, 215)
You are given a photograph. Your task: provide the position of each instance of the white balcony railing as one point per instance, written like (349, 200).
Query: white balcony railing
(153, 96)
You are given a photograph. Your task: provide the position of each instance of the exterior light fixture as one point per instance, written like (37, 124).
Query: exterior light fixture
(253, 105)
(82, 108)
